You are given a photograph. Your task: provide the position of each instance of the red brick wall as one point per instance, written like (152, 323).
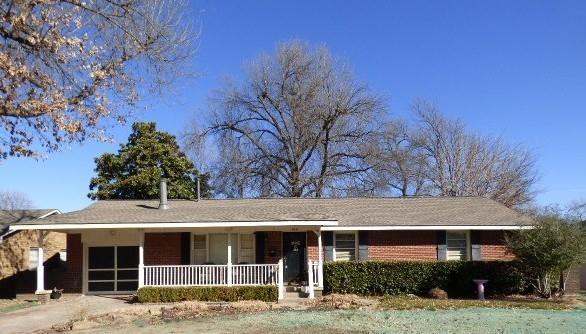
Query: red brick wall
(72, 278)
(162, 249)
(312, 249)
(273, 246)
(493, 246)
(402, 245)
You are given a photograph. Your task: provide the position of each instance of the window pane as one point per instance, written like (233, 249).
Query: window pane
(101, 286)
(127, 257)
(127, 286)
(199, 241)
(101, 275)
(457, 244)
(101, 258)
(33, 258)
(345, 246)
(246, 240)
(128, 274)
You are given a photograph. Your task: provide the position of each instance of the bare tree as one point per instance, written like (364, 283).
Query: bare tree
(300, 125)
(69, 66)
(460, 163)
(399, 167)
(577, 210)
(12, 200)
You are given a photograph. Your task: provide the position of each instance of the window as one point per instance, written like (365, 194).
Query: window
(345, 246)
(212, 248)
(33, 258)
(200, 253)
(246, 251)
(113, 268)
(63, 255)
(457, 245)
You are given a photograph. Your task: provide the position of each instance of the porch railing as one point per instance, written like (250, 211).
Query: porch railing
(211, 275)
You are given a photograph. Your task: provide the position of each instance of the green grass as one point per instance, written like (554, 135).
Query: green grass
(406, 303)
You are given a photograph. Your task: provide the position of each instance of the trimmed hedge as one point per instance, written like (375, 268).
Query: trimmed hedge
(410, 277)
(207, 294)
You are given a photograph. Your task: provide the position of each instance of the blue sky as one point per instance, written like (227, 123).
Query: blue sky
(515, 69)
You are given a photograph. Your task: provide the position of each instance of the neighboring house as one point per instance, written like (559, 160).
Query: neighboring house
(19, 251)
(117, 246)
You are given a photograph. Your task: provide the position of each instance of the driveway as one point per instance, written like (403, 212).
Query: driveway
(57, 312)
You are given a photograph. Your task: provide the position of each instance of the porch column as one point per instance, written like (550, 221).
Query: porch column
(140, 258)
(280, 284)
(320, 261)
(40, 265)
(229, 281)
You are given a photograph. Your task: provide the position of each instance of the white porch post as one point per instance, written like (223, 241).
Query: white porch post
(310, 286)
(281, 286)
(40, 265)
(320, 261)
(229, 259)
(140, 258)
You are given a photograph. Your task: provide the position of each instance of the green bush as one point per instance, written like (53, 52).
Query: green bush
(410, 277)
(207, 294)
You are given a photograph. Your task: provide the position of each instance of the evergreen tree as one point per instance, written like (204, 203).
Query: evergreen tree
(135, 171)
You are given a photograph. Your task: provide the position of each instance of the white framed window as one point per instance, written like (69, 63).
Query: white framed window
(246, 250)
(200, 248)
(458, 245)
(33, 258)
(345, 246)
(212, 248)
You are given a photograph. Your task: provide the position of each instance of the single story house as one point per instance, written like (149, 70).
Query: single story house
(118, 246)
(19, 254)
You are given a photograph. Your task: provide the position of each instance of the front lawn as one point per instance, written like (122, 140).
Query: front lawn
(407, 303)
(469, 320)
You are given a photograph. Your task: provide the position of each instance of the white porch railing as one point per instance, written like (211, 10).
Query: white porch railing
(315, 271)
(211, 275)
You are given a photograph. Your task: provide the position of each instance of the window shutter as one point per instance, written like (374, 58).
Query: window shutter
(185, 248)
(476, 241)
(328, 243)
(442, 248)
(363, 245)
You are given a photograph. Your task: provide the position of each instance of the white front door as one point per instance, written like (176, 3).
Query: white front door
(219, 248)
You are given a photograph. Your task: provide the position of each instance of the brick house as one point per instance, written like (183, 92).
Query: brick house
(118, 246)
(19, 252)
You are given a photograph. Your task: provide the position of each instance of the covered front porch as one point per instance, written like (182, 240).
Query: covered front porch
(122, 260)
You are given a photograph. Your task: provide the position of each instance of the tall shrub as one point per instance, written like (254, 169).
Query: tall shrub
(549, 249)
(408, 277)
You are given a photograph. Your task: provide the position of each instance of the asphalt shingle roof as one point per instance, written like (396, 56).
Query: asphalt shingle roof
(9, 217)
(411, 211)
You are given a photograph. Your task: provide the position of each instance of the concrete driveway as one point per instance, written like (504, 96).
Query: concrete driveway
(58, 312)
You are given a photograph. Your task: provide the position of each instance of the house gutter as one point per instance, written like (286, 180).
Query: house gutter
(82, 226)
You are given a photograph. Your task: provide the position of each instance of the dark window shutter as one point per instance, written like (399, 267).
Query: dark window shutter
(260, 247)
(185, 248)
(363, 245)
(328, 243)
(442, 248)
(476, 241)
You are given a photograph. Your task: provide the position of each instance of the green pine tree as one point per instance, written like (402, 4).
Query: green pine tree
(135, 171)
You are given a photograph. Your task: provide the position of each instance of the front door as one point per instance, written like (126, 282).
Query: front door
(294, 256)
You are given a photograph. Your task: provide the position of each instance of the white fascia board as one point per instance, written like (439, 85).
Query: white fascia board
(82, 226)
(426, 227)
(50, 213)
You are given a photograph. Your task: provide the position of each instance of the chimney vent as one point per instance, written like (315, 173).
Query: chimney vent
(163, 194)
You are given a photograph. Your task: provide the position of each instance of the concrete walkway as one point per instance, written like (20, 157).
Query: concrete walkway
(57, 312)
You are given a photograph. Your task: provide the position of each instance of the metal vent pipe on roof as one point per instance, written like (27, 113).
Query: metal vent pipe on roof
(163, 194)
